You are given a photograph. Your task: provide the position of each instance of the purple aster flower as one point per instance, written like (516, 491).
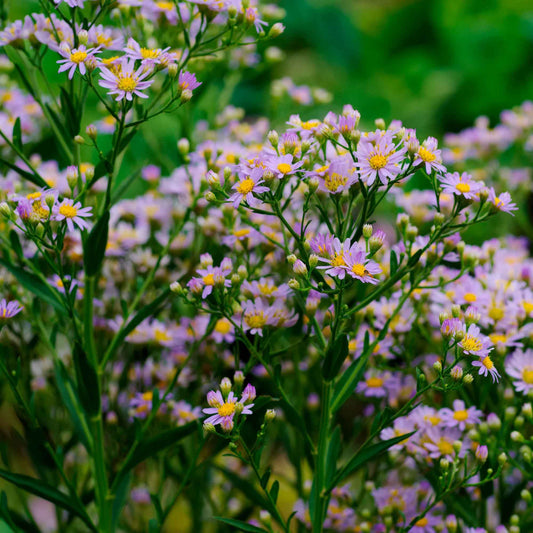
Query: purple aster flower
(502, 202)
(224, 406)
(379, 158)
(359, 267)
(73, 213)
(429, 156)
(519, 366)
(124, 81)
(247, 185)
(255, 316)
(9, 309)
(474, 343)
(75, 58)
(335, 262)
(461, 185)
(152, 56)
(283, 165)
(187, 80)
(486, 367)
(460, 416)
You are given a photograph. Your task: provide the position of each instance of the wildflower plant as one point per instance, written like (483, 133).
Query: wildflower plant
(373, 347)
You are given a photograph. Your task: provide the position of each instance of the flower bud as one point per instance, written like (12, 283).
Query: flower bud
(5, 210)
(402, 221)
(276, 30)
(72, 177)
(39, 230)
(494, 422)
(210, 196)
(176, 287)
(235, 279)
(186, 95)
(291, 259)
(527, 410)
(367, 231)
(411, 232)
(313, 184)
(209, 428)
(213, 180)
(437, 365)
(438, 219)
(294, 284)
(451, 523)
(299, 267)
(273, 138)
(502, 458)
(380, 124)
(243, 273)
(91, 131)
(468, 379)
(184, 146)
(519, 422)
(270, 415)
(78, 139)
(525, 495)
(227, 424)
(457, 373)
(457, 445)
(482, 452)
(516, 436)
(238, 408)
(173, 70)
(225, 386)
(313, 260)
(444, 464)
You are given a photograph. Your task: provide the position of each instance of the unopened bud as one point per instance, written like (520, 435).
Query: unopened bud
(516, 436)
(209, 428)
(457, 373)
(456, 311)
(468, 379)
(91, 131)
(482, 452)
(213, 180)
(444, 464)
(210, 196)
(437, 365)
(176, 287)
(313, 260)
(457, 445)
(225, 386)
(185, 96)
(402, 221)
(173, 70)
(5, 210)
(294, 284)
(273, 138)
(276, 30)
(380, 124)
(527, 410)
(411, 232)
(367, 231)
(299, 267)
(78, 139)
(270, 415)
(291, 259)
(502, 458)
(184, 146)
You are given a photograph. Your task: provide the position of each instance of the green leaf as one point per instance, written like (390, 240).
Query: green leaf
(70, 112)
(15, 243)
(43, 490)
(335, 356)
(35, 285)
(274, 491)
(365, 455)
(121, 497)
(87, 380)
(332, 454)
(17, 134)
(241, 526)
(32, 177)
(95, 245)
(265, 477)
(393, 263)
(71, 401)
(349, 380)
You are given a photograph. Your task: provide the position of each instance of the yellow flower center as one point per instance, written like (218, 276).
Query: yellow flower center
(463, 187)
(41, 212)
(426, 155)
(257, 320)
(241, 232)
(209, 279)
(127, 83)
(528, 307)
(487, 363)
(103, 40)
(470, 297)
(147, 396)
(161, 336)
(337, 261)
(496, 313)
(68, 211)
(497, 202)
(423, 522)
(445, 447)
(497, 337)
(471, 344)
(310, 124)
(167, 6)
(359, 270)
(78, 57)
(265, 289)
(460, 416)
(334, 181)
(527, 375)
(33, 195)
(435, 420)
(378, 161)
(246, 186)
(223, 326)
(148, 53)
(284, 168)
(226, 409)
(374, 383)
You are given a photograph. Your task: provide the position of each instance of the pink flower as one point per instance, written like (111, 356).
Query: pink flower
(73, 213)
(429, 156)
(247, 185)
(9, 309)
(124, 81)
(461, 185)
(75, 58)
(486, 367)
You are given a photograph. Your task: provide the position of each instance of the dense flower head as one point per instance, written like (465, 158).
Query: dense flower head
(124, 80)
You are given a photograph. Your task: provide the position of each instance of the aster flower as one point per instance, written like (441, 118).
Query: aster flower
(75, 58)
(486, 367)
(255, 316)
(124, 81)
(474, 343)
(338, 177)
(429, 155)
(141, 404)
(9, 309)
(152, 56)
(73, 213)
(502, 202)
(211, 277)
(335, 261)
(224, 406)
(283, 165)
(426, 524)
(359, 267)
(519, 366)
(247, 185)
(188, 81)
(379, 158)
(461, 185)
(374, 385)
(460, 416)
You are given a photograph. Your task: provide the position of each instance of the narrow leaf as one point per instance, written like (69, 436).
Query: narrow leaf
(95, 245)
(17, 134)
(241, 526)
(274, 491)
(88, 390)
(335, 356)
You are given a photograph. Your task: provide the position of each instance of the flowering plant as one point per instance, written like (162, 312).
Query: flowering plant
(324, 265)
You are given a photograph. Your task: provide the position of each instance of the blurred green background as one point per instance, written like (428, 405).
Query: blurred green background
(434, 64)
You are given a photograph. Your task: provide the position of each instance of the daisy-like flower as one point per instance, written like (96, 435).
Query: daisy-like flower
(335, 259)
(474, 343)
(440, 443)
(486, 367)
(71, 3)
(211, 277)
(9, 309)
(283, 166)
(338, 177)
(519, 367)
(73, 213)
(451, 326)
(461, 185)
(187, 80)
(502, 202)
(75, 58)
(359, 267)
(224, 405)
(124, 81)
(429, 155)
(379, 158)
(152, 56)
(255, 316)
(426, 524)
(460, 416)
(246, 187)
(375, 384)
